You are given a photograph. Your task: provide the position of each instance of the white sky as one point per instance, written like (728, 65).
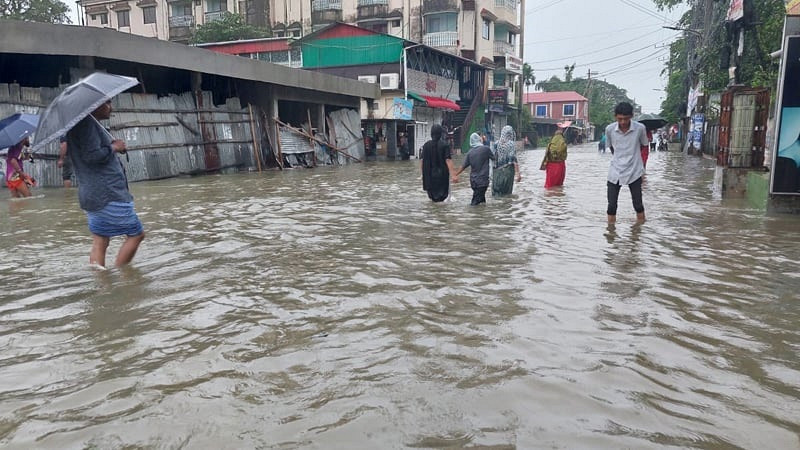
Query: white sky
(622, 40)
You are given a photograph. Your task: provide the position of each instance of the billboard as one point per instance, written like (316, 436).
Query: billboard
(735, 11)
(786, 160)
(402, 108)
(793, 7)
(513, 64)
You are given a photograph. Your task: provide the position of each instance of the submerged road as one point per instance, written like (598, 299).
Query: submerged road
(339, 308)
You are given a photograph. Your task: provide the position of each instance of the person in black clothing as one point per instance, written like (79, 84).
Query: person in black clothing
(437, 166)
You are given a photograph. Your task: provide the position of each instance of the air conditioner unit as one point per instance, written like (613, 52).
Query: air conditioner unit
(390, 80)
(368, 78)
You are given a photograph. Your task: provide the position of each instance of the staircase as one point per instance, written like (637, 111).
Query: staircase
(463, 118)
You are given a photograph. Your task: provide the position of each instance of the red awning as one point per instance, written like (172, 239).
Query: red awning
(437, 102)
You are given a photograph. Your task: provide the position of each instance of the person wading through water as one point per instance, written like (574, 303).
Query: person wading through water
(437, 166)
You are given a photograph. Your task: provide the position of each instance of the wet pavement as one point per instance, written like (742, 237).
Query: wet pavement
(339, 308)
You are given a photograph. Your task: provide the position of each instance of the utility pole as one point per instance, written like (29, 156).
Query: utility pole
(522, 58)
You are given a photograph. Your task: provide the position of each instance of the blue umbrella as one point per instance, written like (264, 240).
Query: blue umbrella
(17, 127)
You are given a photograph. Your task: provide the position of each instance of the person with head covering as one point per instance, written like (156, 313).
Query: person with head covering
(17, 180)
(478, 160)
(555, 160)
(437, 165)
(506, 167)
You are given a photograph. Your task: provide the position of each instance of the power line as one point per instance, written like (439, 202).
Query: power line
(626, 42)
(615, 57)
(602, 33)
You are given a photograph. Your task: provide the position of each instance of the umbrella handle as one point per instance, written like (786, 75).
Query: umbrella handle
(108, 133)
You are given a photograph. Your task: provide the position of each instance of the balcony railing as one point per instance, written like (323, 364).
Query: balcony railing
(508, 4)
(373, 3)
(215, 16)
(503, 47)
(441, 39)
(181, 21)
(326, 5)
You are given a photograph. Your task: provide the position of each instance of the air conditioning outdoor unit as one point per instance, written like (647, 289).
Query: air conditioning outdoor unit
(368, 78)
(390, 80)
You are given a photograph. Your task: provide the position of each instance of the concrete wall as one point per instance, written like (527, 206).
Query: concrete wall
(26, 38)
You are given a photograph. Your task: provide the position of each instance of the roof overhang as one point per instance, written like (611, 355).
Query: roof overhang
(70, 40)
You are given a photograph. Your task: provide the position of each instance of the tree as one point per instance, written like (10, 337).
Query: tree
(711, 42)
(527, 77)
(231, 27)
(568, 70)
(49, 11)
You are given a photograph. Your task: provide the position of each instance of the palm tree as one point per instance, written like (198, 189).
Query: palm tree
(527, 77)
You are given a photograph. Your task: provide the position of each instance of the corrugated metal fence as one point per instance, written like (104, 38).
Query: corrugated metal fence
(165, 136)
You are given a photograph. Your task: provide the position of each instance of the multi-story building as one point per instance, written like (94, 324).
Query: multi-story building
(567, 109)
(483, 31)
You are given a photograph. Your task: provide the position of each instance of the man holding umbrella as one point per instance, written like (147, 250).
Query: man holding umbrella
(103, 188)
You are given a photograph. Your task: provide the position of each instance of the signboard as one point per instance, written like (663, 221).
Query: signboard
(786, 160)
(402, 108)
(735, 11)
(513, 64)
(698, 121)
(498, 99)
(691, 102)
(793, 7)
(433, 85)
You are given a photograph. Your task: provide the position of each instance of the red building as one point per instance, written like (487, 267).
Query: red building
(567, 106)
(274, 50)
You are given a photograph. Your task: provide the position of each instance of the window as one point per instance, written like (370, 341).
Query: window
(541, 110)
(123, 19)
(396, 23)
(216, 5)
(295, 33)
(104, 19)
(181, 9)
(499, 79)
(485, 29)
(434, 25)
(569, 110)
(149, 14)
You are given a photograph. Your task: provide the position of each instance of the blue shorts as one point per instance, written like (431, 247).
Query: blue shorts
(116, 219)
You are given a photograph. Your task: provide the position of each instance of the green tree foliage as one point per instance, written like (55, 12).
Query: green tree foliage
(763, 34)
(231, 27)
(603, 96)
(49, 11)
(527, 76)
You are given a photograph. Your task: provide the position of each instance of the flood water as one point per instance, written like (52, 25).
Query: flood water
(339, 308)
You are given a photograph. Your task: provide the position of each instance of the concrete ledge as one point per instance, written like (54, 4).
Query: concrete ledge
(46, 39)
(757, 189)
(783, 204)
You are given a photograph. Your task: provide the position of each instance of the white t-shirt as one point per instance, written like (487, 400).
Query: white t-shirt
(626, 164)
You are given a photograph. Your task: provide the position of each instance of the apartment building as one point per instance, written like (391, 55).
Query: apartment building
(484, 31)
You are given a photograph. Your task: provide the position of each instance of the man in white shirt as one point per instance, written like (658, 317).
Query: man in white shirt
(625, 139)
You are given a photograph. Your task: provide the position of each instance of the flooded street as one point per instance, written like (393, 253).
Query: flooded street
(339, 308)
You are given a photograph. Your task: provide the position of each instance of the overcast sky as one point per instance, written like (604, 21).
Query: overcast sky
(622, 40)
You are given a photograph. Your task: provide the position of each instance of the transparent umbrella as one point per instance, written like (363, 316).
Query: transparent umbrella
(76, 102)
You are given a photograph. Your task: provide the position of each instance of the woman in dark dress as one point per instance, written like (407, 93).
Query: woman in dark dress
(437, 166)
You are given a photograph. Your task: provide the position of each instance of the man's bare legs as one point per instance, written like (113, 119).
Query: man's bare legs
(128, 249)
(640, 217)
(126, 252)
(98, 252)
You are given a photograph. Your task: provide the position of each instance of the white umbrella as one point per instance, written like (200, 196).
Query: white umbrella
(76, 102)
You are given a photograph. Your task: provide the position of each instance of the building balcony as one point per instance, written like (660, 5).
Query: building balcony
(438, 6)
(326, 11)
(181, 21)
(510, 5)
(503, 47)
(443, 40)
(372, 9)
(214, 16)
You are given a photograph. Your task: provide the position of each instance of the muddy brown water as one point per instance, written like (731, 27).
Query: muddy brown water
(338, 308)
